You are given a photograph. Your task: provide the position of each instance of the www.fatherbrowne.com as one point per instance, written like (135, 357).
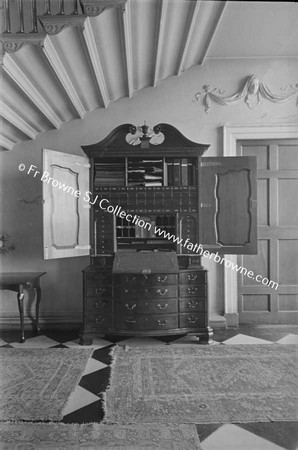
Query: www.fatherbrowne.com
(194, 248)
(197, 248)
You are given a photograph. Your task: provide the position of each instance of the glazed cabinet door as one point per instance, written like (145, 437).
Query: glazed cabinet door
(228, 204)
(65, 213)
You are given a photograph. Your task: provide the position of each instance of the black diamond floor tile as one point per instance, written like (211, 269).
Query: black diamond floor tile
(284, 434)
(103, 354)
(90, 413)
(205, 429)
(96, 382)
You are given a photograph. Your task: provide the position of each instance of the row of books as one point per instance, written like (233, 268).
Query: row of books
(110, 173)
(181, 172)
(147, 173)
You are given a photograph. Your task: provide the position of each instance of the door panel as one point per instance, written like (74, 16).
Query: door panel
(227, 200)
(65, 214)
(277, 257)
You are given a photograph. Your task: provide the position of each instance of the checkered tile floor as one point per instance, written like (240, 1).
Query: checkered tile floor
(85, 404)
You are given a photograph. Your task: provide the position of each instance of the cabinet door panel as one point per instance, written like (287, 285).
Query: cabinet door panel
(228, 207)
(65, 214)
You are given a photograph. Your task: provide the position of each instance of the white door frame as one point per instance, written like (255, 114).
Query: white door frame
(231, 134)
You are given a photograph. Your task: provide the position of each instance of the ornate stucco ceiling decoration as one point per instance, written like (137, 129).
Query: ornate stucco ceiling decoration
(64, 58)
(252, 92)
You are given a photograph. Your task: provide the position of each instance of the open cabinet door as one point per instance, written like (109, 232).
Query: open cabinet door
(65, 213)
(227, 204)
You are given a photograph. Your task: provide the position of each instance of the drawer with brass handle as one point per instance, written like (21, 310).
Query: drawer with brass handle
(192, 291)
(198, 277)
(96, 291)
(192, 304)
(192, 320)
(148, 306)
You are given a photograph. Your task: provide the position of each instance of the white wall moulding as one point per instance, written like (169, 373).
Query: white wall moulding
(19, 122)
(252, 92)
(55, 24)
(96, 7)
(19, 77)
(231, 134)
(12, 42)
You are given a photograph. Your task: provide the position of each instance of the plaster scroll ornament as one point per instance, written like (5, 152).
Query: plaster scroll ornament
(251, 93)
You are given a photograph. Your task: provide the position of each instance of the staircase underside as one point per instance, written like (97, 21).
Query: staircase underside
(63, 65)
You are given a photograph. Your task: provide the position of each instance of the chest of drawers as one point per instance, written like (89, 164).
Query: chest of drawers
(155, 304)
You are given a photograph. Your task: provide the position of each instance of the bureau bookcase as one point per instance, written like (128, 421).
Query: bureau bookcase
(154, 204)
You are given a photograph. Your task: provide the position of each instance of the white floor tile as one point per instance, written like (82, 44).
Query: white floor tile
(36, 342)
(78, 399)
(93, 365)
(97, 343)
(139, 341)
(231, 437)
(289, 339)
(244, 339)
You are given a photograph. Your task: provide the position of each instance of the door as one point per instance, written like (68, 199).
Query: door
(277, 258)
(65, 214)
(228, 204)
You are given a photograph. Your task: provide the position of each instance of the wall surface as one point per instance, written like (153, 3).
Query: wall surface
(173, 102)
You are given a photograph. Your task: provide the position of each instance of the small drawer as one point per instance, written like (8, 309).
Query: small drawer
(98, 278)
(130, 279)
(162, 292)
(99, 321)
(160, 279)
(199, 277)
(193, 320)
(192, 304)
(99, 291)
(129, 292)
(160, 322)
(98, 305)
(148, 307)
(192, 291)
(144, 322)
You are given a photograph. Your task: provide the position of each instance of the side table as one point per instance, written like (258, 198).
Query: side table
(17, 282)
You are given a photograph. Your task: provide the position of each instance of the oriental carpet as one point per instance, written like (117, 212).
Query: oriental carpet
(35, 384)
(41, 436)
(203, 384)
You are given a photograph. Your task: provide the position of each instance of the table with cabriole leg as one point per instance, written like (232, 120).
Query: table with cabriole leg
(19, 281)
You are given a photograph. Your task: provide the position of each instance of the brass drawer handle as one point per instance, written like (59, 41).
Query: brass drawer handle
(192, 321)
(160, 292)
(100, 304)
(162, 279)
(99, 320)
(130, 321)
(99, 291)
(192, 304)
(161, 307)
(192, 277)
(130, 307)
(161, 323)
(192, 290)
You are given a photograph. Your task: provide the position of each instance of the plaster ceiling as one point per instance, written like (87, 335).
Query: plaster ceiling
(99, 59)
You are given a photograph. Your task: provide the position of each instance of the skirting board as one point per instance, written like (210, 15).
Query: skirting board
(61, 321)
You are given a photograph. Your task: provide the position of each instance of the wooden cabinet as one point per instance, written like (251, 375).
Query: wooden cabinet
(154, 204)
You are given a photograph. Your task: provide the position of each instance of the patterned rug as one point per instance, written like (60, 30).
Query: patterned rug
(196, 384)
(51, 436)
(36, 384)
